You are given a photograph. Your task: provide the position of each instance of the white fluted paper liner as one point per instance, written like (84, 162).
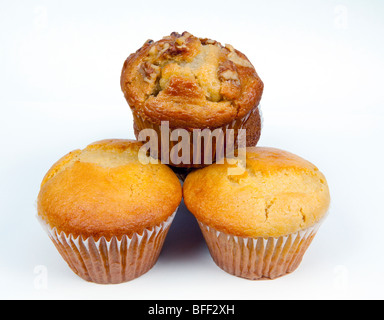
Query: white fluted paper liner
(114, 261)
(258, 258)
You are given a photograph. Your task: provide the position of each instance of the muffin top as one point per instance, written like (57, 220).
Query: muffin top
(279, 193)
(104, 190)
(190, 82)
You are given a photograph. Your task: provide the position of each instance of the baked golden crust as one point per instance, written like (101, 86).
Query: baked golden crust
(104, 190)
(278, 194)
(190, 82)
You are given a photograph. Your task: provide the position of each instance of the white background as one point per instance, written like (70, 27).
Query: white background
(322, 65)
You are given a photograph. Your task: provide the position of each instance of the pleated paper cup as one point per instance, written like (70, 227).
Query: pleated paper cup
(258, 258)
(210, 146)
(112, 261)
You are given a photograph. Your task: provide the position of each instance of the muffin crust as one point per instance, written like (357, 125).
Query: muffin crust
(190, 82)
(104, 190)
(278, 194)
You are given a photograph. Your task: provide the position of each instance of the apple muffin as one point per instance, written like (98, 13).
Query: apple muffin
(193, 84)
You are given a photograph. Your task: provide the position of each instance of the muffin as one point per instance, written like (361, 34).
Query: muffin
(259, 224)
(107, 213)
(192, 84)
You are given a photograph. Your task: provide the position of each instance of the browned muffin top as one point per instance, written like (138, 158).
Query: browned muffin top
(190, 82)
(279, 193)
(104, 190)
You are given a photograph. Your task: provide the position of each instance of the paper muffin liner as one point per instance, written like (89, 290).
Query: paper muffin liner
(114, 261)
(258, 258)
(182, 173)
(141, 124)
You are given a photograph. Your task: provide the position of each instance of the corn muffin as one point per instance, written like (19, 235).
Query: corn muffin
(107, 213)
(259, 224)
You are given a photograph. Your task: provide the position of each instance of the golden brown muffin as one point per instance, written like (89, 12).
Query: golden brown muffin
(192, 83)
(103, 194)
(280, 196)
